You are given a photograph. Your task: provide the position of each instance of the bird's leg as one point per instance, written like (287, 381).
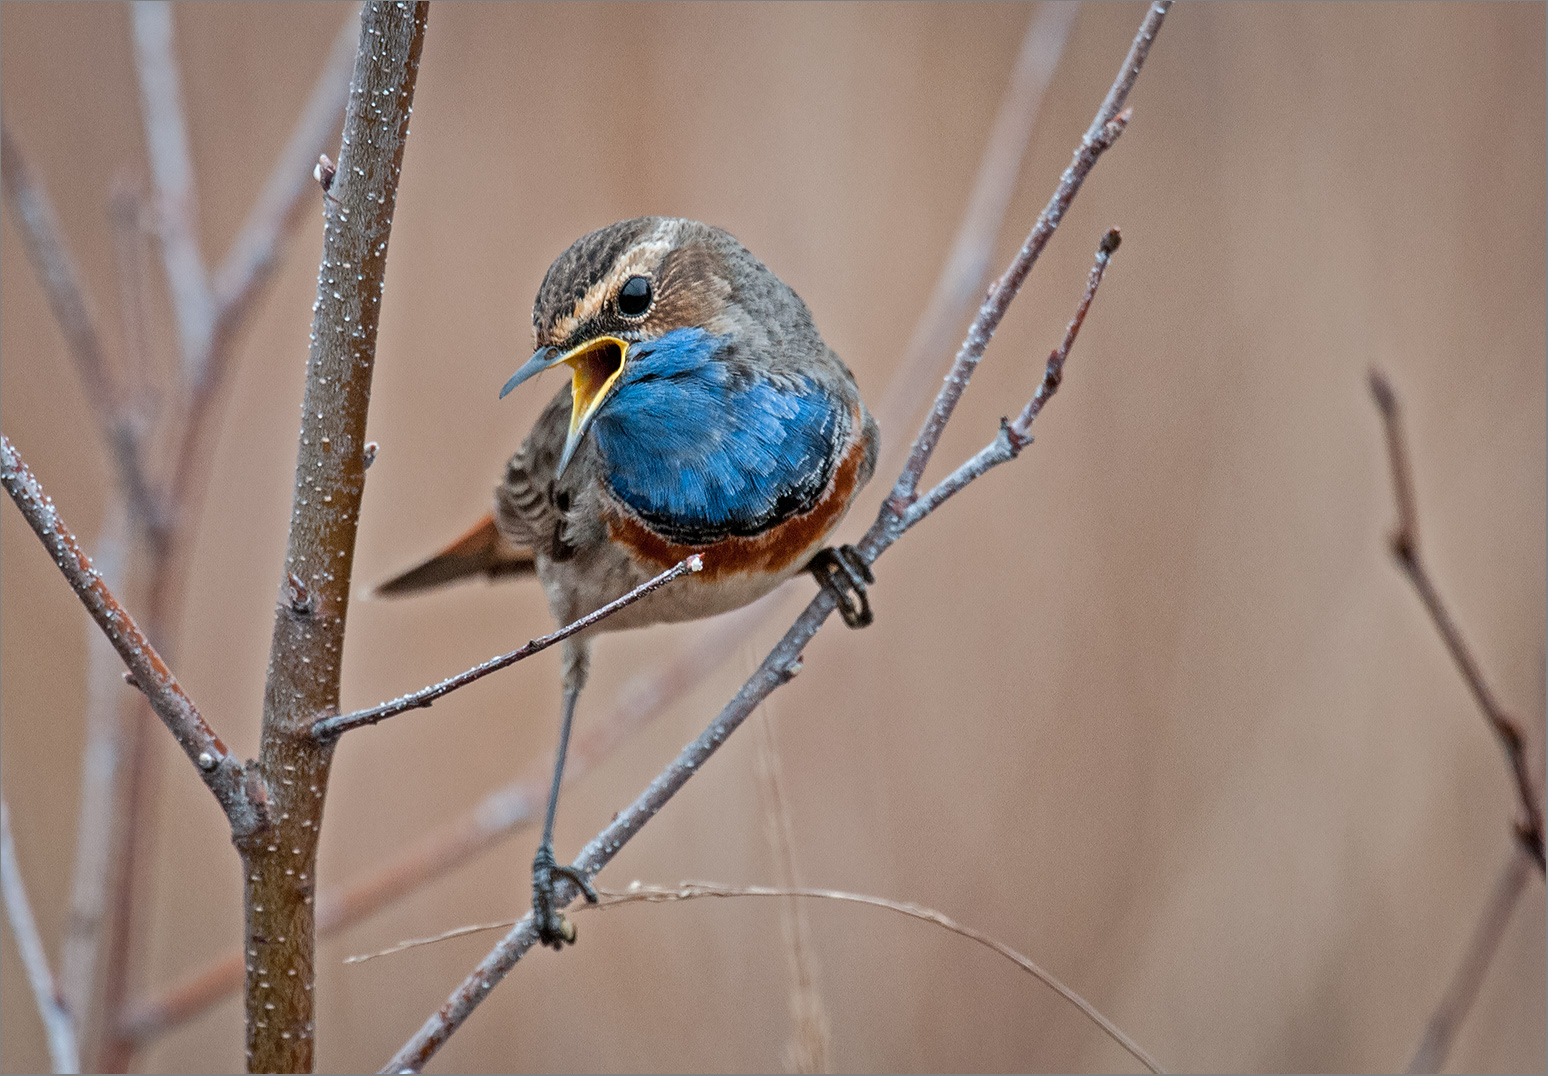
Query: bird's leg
(841, 571)
(554, 929)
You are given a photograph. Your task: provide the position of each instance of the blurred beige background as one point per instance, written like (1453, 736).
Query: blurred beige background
(1151, 704)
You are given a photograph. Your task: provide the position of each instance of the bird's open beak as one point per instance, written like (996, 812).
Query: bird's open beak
(596, 365)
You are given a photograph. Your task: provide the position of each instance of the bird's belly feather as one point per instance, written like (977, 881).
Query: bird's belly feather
(737, 570)
(781, 550)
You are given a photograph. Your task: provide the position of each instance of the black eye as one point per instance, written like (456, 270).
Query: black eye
(634, 297)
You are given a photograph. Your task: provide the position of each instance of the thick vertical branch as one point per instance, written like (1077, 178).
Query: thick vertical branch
(505, 810)
(279, 865)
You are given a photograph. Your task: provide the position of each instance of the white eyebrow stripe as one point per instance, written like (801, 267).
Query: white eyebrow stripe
(644, 259)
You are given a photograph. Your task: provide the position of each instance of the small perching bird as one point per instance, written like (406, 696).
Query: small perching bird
(704, 415)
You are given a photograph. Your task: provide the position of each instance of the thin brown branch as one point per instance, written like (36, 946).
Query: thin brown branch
(250, 263)
(1016, 435)
(649, 894)
(331, 728)
(57, 274)
(1405, 549)
(247, 267)
(221, 771)
(512, 807)
(1053, 373)
(58, 1025)
(1440, 1031)
(134, 836)
(784, 661)
(1105, 128)
(166, 144)
(279, 866)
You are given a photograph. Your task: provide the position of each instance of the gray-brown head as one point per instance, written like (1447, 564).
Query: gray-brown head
(639, 280)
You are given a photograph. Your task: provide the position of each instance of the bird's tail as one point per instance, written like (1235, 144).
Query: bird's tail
(481, 551)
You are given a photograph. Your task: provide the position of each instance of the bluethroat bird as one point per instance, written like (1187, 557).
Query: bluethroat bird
(704, 414)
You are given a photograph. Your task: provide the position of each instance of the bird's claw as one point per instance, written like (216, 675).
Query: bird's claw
(842, 572)
(554, 928)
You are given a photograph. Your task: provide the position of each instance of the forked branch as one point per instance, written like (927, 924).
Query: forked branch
(1405, 550)
(1017, 434)
(784, 662)
(221, 771)
(506, 810)
(308, 638)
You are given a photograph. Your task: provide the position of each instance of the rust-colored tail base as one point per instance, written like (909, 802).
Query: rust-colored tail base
(481, 551)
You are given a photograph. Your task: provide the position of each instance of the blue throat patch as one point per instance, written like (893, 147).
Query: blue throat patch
(704, 452)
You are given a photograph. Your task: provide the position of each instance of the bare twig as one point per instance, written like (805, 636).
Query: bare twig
(649, 894)
(330, 728)
(1440, 1031)
(1053, 373)
(279, 867)
(63, 1050)
(166, 141)
(636, 894)
(1405, 549)
(508, 809)
(159, 517)
(784, 661)
(1016, 435)
(220, 770)
(61, 284)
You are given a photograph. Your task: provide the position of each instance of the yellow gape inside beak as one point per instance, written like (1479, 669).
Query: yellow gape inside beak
(597, 365)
